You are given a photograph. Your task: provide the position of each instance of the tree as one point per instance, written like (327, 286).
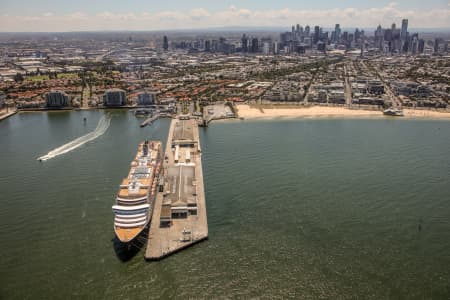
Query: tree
(18, 77)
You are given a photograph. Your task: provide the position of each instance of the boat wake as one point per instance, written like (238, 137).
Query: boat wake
(101, 128)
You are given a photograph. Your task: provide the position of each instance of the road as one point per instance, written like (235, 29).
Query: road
(348, 88)
(395, 101)
(85, 97)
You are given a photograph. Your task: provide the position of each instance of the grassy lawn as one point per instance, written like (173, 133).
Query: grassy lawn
(37, 78)
(67, 76)
(46, 77)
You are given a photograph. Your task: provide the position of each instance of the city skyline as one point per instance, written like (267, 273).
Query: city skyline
(49, 16)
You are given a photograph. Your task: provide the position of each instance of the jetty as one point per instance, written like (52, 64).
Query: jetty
(179, 214)
(5, 115)
(150, 120)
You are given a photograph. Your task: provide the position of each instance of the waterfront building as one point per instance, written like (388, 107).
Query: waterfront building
(146, 98)
(114, 97)
(56, 99)
(2, 99)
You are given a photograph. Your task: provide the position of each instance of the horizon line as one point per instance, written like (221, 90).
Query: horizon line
(234, 28)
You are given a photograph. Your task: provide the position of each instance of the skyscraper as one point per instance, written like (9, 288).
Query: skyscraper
(316, 34)
(244, 41)
(404, 29)
(307, 30)
(165, 43)
(414, 45)
(337, 30)
(207, 45)
(357, 34)
(421, 46)
(379, 37)
(255, 46)
(437, 42)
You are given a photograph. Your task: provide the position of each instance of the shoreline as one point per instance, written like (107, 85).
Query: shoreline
(251, 112)
(287, 112)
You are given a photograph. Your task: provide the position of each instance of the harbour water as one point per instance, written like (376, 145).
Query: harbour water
(308, 208)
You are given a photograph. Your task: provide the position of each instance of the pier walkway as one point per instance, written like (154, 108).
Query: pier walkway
(179, 215)
(4, 115)
(150, 120)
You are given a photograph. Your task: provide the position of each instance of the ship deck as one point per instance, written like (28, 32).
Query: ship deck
(134, 199)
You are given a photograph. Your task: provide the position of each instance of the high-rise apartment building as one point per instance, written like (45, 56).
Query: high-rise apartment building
(114, 97)
(56, 99)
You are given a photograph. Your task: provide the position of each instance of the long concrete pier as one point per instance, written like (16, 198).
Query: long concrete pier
(6, 115)
(179, 213)
(150, 120)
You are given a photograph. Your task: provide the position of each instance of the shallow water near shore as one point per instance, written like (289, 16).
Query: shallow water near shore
(304, 209)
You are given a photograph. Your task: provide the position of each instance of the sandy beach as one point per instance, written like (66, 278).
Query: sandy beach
(254, 112)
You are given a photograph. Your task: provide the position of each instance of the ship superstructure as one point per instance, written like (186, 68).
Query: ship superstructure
(135, 199)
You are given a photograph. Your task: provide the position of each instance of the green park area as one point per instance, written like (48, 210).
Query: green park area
(47, 77)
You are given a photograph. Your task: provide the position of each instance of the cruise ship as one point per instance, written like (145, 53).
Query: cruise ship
(134, 201)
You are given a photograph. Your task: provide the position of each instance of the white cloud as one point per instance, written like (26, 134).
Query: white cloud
(199, 13)
(232, 16)
(77, 16)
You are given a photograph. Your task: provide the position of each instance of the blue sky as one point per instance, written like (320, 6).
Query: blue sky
(31, 7)
(61, 15)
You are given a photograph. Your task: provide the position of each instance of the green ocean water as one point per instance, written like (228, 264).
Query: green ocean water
(302, 209)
